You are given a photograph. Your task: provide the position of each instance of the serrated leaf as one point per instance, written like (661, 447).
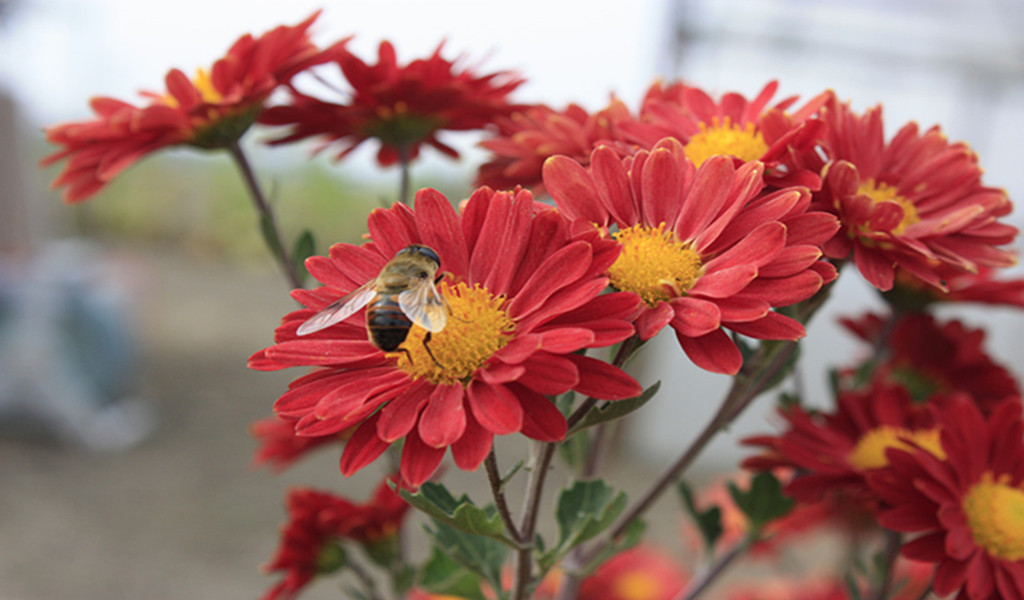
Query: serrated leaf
(482, 555)
(615, 410)
(584, 510)
(435, 500)
(441, 574)
(763, 502)
(709, 521)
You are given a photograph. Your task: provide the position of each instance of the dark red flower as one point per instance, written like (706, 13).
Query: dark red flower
(965, 508)
(525, 296)
(528, 137)
(703, 247)
(211, 111)
(280, 447)
(404, 107)
(911, 294)
(914, 203)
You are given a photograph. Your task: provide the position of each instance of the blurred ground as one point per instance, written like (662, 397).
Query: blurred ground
(184, 514)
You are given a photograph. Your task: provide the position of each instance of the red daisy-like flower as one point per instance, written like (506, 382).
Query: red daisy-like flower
(735, 126)
(640, 573)
(703, 247)
(211, 111)
(965, 508)
(833, 451)
(933, 360)
(280, 447)
(529, 137)
(404, 107)
(916, 202)
(318, 522)
(524, 296)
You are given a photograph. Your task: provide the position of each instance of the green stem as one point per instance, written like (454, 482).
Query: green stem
(698, 586)
(497, 491)
(272, 236)
(893, 542)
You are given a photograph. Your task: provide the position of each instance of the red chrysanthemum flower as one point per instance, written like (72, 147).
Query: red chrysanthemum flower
(702, 247)
(933, 360)
(744, 129)
(966, 508)
(211, 111)
(404, 107)
(529, 137)
(916, 202)
(524, 295)
(640, 573)
(833, 451)
(318, 522)
(280, 447)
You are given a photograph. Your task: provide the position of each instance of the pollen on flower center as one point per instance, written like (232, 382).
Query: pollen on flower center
(477, 327)
(995, 515)
(654, 264)
(202, 82)
(869, 453)
(743, 142)
(883, 192)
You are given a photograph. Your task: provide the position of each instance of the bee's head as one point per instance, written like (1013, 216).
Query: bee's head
(424, 251)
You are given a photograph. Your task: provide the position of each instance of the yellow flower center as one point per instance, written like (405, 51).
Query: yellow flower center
(869, 453)
(995, 514)
(637, 586)
(654, 264)
(477, 327)
(743, 142)
(883, 192)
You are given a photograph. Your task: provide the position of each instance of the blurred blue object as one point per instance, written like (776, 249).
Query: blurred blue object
(66, 352)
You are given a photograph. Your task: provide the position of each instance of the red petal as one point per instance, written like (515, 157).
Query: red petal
(653, 320)
(564, 340)
(444, 419)
(399, 416)
(495, 407)
(713, 352)
(599, 379)
(573, 190)
(549, 374)
(758, 248)
(612, 184)
(317, 352)
(541, 419)
(473, 447)
(694, 317)
(723, 283)
(772, 327)
(440, 229)
(362, 448)
(560, 269)
(949, 577)
(419, 461)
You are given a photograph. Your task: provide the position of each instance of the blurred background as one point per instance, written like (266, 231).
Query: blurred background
(125, 462)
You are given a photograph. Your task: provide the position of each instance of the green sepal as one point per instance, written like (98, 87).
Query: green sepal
(584, 510)
(615, 410)
(435, 500)
(708, 521)
(763, 502)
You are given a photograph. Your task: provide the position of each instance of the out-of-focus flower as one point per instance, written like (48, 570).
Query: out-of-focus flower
(640, 573)
(702, 247)
(833, 451)
(932, 360)
(914, 203)
(735, 126)
(527, 138)
(210, 111)
(280, 447)
(403, 107)
(524, 295)
(807, 588)
(965, 507)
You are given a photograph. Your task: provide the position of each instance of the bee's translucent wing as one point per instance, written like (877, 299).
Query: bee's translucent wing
(340, 309)
(424, 305)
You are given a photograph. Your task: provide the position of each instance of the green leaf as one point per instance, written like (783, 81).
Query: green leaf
(584, 510)
(443, 575)
(708, 521)
(615, 410)
(270, 235)
(482, 555)
(435, 500)
(763, 502)
(305, 246)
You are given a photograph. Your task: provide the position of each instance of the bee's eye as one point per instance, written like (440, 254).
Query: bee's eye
(423, 274)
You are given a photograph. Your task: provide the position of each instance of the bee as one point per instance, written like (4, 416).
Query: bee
(404, 293)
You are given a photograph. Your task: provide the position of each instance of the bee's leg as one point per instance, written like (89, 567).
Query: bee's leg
(406, 351)
(426, 346)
